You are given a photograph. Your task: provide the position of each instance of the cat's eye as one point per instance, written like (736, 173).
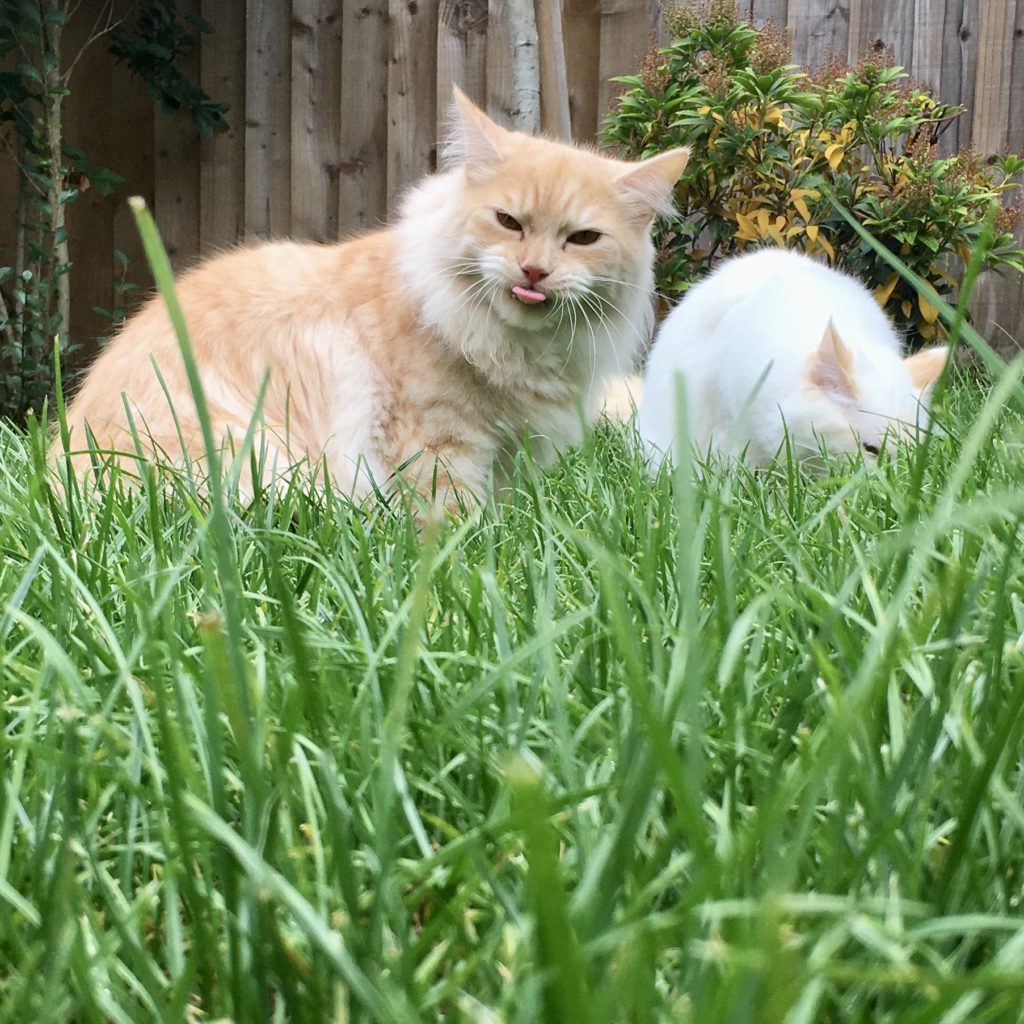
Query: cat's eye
(506, 220)
(586, 237)
(871, 449)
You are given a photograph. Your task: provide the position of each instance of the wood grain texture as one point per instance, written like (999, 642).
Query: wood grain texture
(136, 165)
(760, 11)
(581, 30)
(412, 100)
(90, 215)
(267, 117)
(315, 118)
(819, 31)
(879, 29)
(176, 183)
(990, 123)
(362, 160)
(500, 102)
(461, 55)
(222, 154)
(626, 29)
(554, 89)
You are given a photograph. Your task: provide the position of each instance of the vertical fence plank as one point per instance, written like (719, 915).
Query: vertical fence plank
(90, 215)
(267, 113)
(315, 118)
(819, 31)
(362, 167)
(626, 28)
(461, 54)
(554, 86)
(991, 114)
(135, 163)
(760, 11)
(412, 95)
(500, 104)
(222, 155)
(879, 27)
(959, 68)
(176, 183)
(581, 29)
(998, 301)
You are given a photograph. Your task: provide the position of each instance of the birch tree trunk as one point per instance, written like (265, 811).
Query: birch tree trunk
(525, 56)
(53, 132)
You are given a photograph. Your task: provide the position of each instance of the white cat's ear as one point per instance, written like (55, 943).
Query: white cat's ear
(647, 186)
(925, 366)
(475, 140)
(831, 366)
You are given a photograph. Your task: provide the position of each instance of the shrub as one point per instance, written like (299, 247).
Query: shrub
(770, 141)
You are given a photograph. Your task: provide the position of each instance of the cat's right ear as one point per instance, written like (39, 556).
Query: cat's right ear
(648, 186)
(475, 140)
(831, 366)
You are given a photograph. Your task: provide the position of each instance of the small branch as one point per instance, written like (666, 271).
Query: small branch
(98, 33)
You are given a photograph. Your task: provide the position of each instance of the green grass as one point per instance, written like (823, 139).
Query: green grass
(732, 749)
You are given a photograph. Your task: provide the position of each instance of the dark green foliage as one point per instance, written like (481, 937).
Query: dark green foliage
(771, 142)
(153, 47)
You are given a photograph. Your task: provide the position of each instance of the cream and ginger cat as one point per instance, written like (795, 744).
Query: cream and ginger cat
(774, 342)
(509, 290)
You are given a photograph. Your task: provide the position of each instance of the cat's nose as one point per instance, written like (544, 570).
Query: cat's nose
(534, 274)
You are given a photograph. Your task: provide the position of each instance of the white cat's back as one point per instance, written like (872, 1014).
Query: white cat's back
(683, 343)
(741, 340)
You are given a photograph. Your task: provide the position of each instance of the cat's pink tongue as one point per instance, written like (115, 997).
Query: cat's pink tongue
(526, 295)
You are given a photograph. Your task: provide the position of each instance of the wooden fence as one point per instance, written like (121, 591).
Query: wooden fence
(337, 105)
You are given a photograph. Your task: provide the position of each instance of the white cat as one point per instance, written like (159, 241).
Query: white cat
(773, 342)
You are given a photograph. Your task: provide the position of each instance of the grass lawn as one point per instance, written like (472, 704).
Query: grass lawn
(739, 749)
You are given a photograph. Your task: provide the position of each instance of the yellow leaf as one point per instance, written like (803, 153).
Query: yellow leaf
(884, 291)
(801, 206)
(812, 232)
(834, 154)
(775, 231)
(928, 311)
(796, 229)
(746, 231)
(827, 246)
(906, 306)
(927, 331)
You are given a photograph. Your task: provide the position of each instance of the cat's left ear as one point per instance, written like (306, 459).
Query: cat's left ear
(647, 186)
(831, 366)
(925, 366)
(475, 140)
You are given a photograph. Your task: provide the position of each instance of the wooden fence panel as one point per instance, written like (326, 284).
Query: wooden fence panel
(222, 155)
(819, 32)
(315, 118)
(412, 102)
(626, 28)
(582, 34)
(461, 55)
(267, 114)
(337, 106)
(90, 221)
(362, 181)
(176, 198)
(500, 103)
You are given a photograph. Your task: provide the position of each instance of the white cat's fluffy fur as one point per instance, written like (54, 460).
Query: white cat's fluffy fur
(833, 371)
